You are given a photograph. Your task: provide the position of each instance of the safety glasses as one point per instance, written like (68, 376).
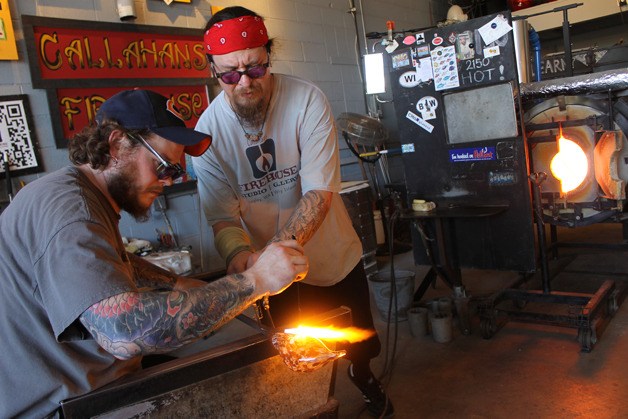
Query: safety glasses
(165, 169)
(234, 76)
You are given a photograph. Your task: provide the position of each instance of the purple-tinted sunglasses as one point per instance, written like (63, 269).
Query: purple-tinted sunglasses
(234, 76)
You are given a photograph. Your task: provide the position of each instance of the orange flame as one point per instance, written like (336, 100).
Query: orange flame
(350, 334)
(569, 165)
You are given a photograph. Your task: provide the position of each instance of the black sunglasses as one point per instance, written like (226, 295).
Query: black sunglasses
(165, 169)
(234, 76)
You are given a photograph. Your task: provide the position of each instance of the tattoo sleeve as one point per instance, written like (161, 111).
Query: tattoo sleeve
(148, 275)
(306, 218)
(134, 323)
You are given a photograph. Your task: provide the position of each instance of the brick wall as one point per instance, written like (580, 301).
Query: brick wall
(315, 39)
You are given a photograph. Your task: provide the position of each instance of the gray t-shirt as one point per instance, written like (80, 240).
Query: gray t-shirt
(60, 253)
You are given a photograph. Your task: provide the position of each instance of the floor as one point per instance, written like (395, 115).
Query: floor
(523, 370)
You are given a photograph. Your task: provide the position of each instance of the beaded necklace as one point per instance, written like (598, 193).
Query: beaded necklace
(251, 137)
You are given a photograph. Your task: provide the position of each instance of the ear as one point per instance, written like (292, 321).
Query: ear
(116, 141)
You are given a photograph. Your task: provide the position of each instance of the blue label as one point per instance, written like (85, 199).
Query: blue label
(472, 154)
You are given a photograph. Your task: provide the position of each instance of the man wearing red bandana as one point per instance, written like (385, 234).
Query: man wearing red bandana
(272, 173)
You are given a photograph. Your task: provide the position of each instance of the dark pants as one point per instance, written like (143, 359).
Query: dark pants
(303, 300)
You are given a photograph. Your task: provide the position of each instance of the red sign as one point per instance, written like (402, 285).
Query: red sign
(65, 52)
(73, 53)
(78, 107)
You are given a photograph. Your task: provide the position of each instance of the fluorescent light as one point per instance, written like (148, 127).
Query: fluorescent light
(374, 72)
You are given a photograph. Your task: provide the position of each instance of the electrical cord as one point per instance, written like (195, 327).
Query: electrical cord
(427, 244)
(387, 370)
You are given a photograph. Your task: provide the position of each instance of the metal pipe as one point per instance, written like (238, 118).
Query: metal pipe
(520, 30)
(567, 43)
(604, 81)
(535, 41)
(566, 35)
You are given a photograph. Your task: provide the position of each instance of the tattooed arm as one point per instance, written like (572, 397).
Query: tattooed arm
(306, 218)
(148, 275)
(134, 323)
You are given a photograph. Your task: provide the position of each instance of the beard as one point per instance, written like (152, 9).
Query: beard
(251, 111)
(125, 193)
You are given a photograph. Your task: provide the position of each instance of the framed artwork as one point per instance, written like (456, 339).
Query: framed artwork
(18, 144)
(8, 47)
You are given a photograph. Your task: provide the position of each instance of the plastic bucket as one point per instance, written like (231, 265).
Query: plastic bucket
(381, 289)
(417, 319)
(442, 328)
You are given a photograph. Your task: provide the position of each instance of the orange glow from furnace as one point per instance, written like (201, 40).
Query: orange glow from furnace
(569, 165)
(350, 334)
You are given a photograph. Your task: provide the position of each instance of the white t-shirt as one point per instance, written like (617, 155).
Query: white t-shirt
(260, 184)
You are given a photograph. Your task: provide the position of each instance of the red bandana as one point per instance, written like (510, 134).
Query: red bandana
(235, 34)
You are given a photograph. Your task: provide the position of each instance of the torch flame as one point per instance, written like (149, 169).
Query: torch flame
(350, 334)
(569, 165)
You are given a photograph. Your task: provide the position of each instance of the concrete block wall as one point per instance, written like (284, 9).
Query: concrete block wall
(315, 39)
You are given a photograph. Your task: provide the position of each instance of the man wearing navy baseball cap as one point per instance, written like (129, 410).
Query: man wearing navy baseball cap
(76, 310)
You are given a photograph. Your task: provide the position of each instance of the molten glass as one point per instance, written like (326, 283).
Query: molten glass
(303, 350)
(569, 165)
(303, 353)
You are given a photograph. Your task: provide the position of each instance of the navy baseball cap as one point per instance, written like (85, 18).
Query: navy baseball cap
(145, 109)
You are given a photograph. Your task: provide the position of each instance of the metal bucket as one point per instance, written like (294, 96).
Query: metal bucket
(381, 289)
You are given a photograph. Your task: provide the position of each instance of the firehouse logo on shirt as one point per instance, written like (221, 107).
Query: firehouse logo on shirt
(262, 158)
(269, 181)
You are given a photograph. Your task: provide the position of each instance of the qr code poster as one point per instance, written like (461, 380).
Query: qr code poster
(17, 145)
